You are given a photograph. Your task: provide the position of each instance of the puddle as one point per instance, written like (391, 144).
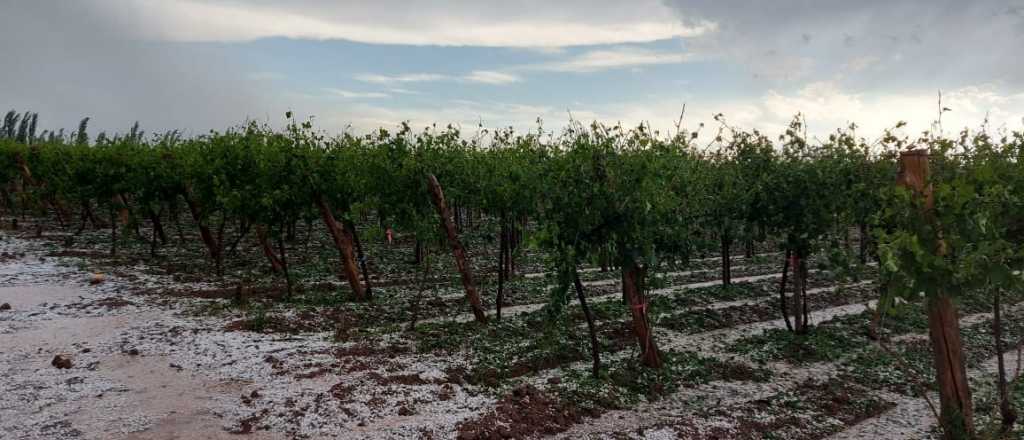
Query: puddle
(108, 393)
(176, 402)
(27, 297)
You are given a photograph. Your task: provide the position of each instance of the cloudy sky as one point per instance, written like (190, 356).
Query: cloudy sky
(357, 65)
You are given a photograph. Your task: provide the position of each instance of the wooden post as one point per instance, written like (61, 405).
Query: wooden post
(26, 174)
(28, 180)
(502, 247)
(212, 245)
(957, 411)
(276, 265)
(122, 208)
(1006, 410)
(350, 228)
(782, 291)
(632, 276)
(344, 242)
(799, 325)
(158, 226)
(461, 260)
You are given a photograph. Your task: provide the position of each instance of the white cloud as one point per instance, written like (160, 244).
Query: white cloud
(491, 77)
(402, 91)
(615, 58)
(534, 23)
(589, 61)
(404, 78)
(826, 107)
(816, 99)
(347, 94)
(476, 76)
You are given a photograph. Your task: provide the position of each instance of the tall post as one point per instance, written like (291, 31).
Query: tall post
(212, 245)
(957, 411)
(502, 247)
(276, 265)
(344, 242)
(459, 252)
(350, 226)
(632, 277)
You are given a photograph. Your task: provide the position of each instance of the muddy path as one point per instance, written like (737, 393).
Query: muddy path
(112, 389)
(145, 368)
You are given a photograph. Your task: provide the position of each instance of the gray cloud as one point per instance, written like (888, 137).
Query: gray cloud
(920, 43)
(68, 60)
(109, 59)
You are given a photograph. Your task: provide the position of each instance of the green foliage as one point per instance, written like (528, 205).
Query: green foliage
(626, 383)
(971, 239)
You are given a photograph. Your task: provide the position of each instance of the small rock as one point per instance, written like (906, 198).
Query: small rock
(176, 367)
(244, 427)
(446, 393)
(405, 411)
(86, 350)
(5, 306)
(255, 394)
(132, 352)
(61, 361)
(97, 278)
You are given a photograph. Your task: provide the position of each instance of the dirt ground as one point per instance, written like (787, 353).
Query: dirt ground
(146, 368)
(149, 361)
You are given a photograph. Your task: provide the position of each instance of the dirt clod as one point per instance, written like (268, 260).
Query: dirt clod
(447, 392)
(62, 361)
(526, 412)
(5, 306)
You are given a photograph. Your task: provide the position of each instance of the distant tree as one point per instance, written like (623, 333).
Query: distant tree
(81, 136)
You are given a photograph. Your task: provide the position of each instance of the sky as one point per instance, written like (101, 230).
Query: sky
(355, 66)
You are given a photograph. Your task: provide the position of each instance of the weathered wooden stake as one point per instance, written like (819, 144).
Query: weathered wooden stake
(459, 252)
(632, 277)
(276, 265)
(344, 242)
(957, 410)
